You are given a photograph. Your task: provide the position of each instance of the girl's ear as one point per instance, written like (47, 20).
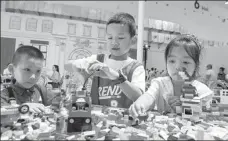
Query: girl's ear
(134, 40)
(10, 68)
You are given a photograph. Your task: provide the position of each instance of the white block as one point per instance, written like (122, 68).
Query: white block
(87, 133)
(70, 137)
(163, 134)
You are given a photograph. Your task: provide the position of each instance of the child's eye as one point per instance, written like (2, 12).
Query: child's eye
(27, 69)
(109, 38)
(186, 63)
(38, 71)
(121, 38)
(171, 61)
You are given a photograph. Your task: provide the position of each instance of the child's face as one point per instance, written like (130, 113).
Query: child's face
(27, 71)
(119, 39)
(176, 60)
(220, 71)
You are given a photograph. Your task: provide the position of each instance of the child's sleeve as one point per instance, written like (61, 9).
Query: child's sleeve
(148, 99)
(79, 64)
(204, 92)
(138, 78)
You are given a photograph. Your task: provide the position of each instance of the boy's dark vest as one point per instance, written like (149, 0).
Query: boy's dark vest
(44, 100)
(103, 92)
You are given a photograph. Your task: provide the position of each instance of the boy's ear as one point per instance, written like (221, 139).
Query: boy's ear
(134, 40)
(10, 68)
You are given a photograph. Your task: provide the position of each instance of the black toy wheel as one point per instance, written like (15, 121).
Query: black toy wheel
(24, 109)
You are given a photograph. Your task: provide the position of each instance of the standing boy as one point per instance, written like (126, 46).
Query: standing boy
(118, 80)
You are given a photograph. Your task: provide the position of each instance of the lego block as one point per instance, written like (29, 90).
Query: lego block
(163, 134)
(178, 109)
(139, 136)
(188, 96)
(88, 133)
(112, 117)
(171, 138)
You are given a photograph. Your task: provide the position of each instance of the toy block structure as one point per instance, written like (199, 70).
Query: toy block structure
(223, 105)
(219, 102)
(191, 103)
(80, 116)
(224, 96)
(9, 114)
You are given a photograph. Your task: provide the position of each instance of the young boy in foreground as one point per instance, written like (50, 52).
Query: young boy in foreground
(26, 67)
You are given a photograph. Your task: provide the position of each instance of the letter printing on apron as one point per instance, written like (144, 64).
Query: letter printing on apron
(103, 92)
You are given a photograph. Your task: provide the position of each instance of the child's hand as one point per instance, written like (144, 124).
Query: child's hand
(36, 107)
(68, 99)
(102, 70)
(174, 101)
(136, 109)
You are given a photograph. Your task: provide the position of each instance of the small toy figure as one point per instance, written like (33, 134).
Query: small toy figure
(80, 104)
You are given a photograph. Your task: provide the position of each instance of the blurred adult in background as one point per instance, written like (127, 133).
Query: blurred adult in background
(221, 74)
(55, 77)
(222, 79)
(210, 77)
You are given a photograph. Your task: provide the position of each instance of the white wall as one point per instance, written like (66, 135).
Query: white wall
(204, 25)
(60, 28)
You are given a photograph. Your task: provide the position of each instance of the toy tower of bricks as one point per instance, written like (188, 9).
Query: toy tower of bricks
(191, 104)
(9, 114)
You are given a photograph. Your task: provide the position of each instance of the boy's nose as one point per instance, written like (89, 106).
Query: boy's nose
(115, 44)
(114, 41)
(33, 76)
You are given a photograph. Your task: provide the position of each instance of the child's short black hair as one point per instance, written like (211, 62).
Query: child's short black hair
(29, 51)
(222, 68)
(124, 18)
